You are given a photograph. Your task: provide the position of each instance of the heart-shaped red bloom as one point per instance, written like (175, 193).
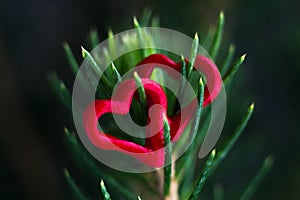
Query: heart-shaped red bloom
(152, 153)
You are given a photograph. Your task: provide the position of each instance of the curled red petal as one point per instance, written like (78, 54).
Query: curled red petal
(213, 78)
(202, 63)
(152, 152)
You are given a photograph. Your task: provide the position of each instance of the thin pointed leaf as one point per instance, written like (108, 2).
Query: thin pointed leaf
(104, 191)
(116, 72)
(228, 77)
(140, 89)
(193, 55)
(173, 104)
(217, 37)
(146, 17)
(139, 198)
(196, 121)
(183, 66)
(203, 178)
(61, 90)
(223, 153)
(94, 38)
(168, 157)
(188, 158)
(71, 58)
(96, 68)
(79, 194)
(111, 43)
(136, 23)
(257, 180)
(208, 38)
(142, 37)
(155, 22)
(85, 157)
(228, 59)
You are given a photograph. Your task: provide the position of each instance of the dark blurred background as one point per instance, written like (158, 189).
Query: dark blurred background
(32, 118)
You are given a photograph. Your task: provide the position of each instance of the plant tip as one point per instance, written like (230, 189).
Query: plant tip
(201, 81)
(102, 183)
(135, 22)
(196, 37)
(243, 57)
(251, 106)
(231, 47)
(213, 153)
(221, 14)
(269, 160)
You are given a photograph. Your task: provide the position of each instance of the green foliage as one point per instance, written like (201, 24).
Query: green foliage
(140, 89)
(61, 90)
(217, 39)
(250, 190)
(71, 59)
(187, 167)
(201, 181)
(104, 191)
(168, 157)
(77, 191)
(193, 55)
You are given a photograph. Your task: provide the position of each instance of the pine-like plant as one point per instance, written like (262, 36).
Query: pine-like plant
(181, 179)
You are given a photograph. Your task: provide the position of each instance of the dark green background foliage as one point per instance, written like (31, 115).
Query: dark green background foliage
(32, 118)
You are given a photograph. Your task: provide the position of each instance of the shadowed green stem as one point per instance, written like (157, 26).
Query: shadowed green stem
(218, 37)
(79, 194)
(203, 178)
(224, 152)
(249, 192)
(193, 55)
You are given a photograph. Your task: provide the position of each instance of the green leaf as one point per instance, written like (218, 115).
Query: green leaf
(183, 66)
(208, 38)
(111, 43)
(201, 181)
(173, 104)
(71, 58)
(116, 72)
(229, 76)
(104, 191)
(193, 55)
(168, 157)
(195, 124)
(140, 89)
(257, 180)
(188, 157)
(94, 38)
(155, 22)
(228, 59)
(142, 37)
(224, 152)
(91, 61)
(83, 156)
(146, 17)
(217, 37)
(196, 121)
(79, 194)
(61, 90)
